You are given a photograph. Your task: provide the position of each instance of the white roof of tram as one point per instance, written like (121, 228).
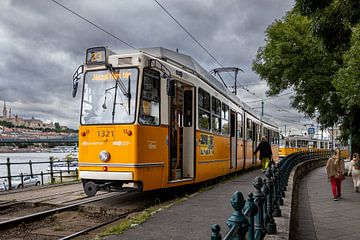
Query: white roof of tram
(190, 65)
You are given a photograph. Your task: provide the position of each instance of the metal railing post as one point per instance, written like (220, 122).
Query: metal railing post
(42, 178)
(22, 180)
(259, 199)
(215, 232)
(237, 220)
(51, 170)
(250, 210)
(8, 164)
(31, 169)
(276, 195)
(270, 225)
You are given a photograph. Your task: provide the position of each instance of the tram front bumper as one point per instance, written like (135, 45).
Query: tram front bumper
(107, 176)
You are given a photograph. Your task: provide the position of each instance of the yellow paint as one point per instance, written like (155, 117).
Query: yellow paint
(131, 144)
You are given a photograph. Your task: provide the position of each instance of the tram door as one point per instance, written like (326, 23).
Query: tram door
(181, 133)
(233, 143)
(254, 138)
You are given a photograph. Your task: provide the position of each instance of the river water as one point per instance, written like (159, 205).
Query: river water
(25, 157)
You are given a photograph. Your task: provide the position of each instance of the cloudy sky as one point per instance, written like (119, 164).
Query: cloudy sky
(41, 45)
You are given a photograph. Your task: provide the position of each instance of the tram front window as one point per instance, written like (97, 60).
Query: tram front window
(109, 96)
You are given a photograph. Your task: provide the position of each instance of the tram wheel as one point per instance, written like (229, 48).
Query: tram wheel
(90, 189)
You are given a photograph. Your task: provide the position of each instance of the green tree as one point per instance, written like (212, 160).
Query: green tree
(293, 58)
(314, 50)
(57, 126)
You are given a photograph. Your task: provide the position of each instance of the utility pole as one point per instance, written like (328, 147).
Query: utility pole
(285, 130)
(262, 108)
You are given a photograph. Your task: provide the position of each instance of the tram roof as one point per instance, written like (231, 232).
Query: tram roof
(189, 64)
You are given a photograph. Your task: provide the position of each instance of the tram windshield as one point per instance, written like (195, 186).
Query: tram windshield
(109, 96)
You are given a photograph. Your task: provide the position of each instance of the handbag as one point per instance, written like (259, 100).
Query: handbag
(339, 175)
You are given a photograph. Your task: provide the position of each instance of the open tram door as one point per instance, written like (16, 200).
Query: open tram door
(181, 131)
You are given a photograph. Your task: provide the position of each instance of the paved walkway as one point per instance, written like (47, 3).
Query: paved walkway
(321, 218)
(192, 219)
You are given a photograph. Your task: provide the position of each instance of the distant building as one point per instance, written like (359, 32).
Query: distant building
(19, 121)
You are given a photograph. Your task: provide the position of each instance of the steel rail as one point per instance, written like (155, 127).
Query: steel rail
(86, 230)
(18, 220)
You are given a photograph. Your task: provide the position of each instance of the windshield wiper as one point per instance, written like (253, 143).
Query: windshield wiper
(119, 83)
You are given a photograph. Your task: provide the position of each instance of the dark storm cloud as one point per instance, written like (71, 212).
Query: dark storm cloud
(42, 44)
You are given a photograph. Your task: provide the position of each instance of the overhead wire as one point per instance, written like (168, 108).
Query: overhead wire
(93, 24)
(269, 98)
(214, 58)
(198, 42)
(185, 30)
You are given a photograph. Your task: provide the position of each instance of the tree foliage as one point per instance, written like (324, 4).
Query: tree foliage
(293, 58)
(314, 50)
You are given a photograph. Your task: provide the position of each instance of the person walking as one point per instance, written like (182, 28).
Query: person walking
(354, 171)
(335, 168)
(265, 152)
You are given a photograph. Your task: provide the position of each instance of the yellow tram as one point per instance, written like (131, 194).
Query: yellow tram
(154, 118)
(297, 143)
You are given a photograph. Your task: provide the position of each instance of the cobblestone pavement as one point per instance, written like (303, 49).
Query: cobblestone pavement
(322, 218)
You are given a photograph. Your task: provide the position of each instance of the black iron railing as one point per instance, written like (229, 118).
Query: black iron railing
(253, 218)
(51, 171)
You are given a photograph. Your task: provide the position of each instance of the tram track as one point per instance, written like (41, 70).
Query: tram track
(26, 218)
(13, 227)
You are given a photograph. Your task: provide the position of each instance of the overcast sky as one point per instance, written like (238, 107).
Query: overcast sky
(41, 45)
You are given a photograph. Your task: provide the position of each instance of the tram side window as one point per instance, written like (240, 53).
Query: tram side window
(266, 133)
(150, 98)
(249, 129)
(204, 109)
(277, 135)
(239, 129)
(216, 115)
(225, 119)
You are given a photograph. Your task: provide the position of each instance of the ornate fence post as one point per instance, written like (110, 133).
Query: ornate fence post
(270, 224)
(259, 199)
(215, 232)
(264, 189)
(238, 218)
(250, 210)
(276, 196)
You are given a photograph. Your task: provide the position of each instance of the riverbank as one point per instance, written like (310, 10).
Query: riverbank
(12, 149)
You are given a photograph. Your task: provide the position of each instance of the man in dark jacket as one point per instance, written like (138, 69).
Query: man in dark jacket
(265, 152)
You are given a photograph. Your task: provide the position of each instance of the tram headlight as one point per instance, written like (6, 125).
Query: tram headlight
(104, 156)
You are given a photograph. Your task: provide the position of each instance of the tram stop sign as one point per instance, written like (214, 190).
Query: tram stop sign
(311, 132)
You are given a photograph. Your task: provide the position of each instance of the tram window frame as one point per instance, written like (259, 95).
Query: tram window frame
(203, 109)
(225, 110)
(215, 114)
(150, 100)
(188, 110)
(249, 129)
(277, 135)
(240, 126)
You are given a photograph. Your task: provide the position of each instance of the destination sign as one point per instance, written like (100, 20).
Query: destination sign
(110, 76)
